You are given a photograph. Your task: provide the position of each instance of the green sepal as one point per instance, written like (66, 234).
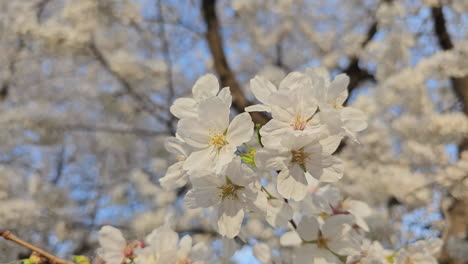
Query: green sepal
(259, 137)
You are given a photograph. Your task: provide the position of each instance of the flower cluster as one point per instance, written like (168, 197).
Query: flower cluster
(282, 172)
(160, 246)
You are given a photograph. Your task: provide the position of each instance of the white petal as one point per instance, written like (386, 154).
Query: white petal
(204, 194)
(176, 146)
(308, 228)
(344, 247)
(309, 253)
(278, 213)
(292, 184)
(290, 239)
(332, 118)
(330, 144)
(201, 253)
(357, 208)
(223, 157)
(320, 82)
(338, 91)
(335, 226)
(175, 177)
(112, 257)
(214, 113)
(262, 88)
(167, 239)
(333, 169)
(202, 160)
(271, 159)
(185, 245)
(354, 119)
(192, 131)
(225, 96)
(281, 114)
(230, 219)
(293, 81)
(275, 127)
(110, 238)
(184, 107)
(205, 87)
(240, 130)
(258, 108)
(239, 173)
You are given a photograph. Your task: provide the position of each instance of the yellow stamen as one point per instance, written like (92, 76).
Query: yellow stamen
(299, 157)
(229, 190)
(337, 107)
(218, 139)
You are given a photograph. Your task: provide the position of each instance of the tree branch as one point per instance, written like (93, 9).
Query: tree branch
(354, 71)
(168, 60)
(221, 65)
(145, 103)
(108, 129)
(52, 259)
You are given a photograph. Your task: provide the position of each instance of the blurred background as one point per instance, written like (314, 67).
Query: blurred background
(86, 86)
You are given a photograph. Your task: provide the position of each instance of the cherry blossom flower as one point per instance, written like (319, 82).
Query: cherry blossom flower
(300, 157)
(231, 193)
(113, 246)
(329, 243)
(327, 200)
(330, 98)
(213, 137)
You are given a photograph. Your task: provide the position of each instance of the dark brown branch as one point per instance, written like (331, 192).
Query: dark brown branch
(52, 259)
(221, 65)
(440, 29)
(354, 71)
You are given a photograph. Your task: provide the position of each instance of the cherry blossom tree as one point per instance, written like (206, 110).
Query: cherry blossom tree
(204, 131)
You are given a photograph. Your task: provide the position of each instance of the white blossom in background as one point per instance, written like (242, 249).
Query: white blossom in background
(419, 252)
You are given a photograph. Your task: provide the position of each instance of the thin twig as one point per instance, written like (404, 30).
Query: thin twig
(168, 60)
(145, 103)
(52, 259)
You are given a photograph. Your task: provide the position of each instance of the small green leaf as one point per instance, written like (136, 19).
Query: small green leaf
(249, 158)
(81, 259)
